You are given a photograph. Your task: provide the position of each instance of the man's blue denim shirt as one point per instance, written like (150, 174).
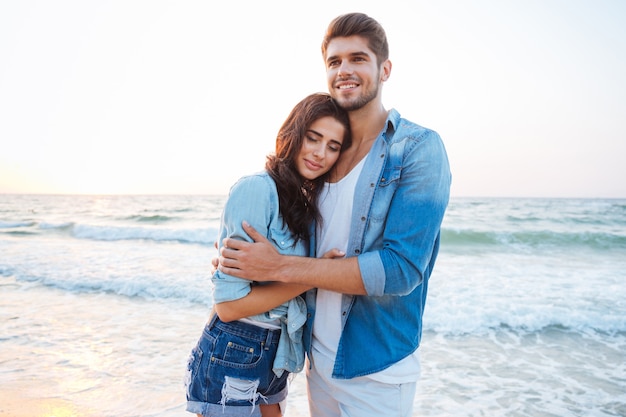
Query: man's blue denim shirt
(254, 198)
(399, 203)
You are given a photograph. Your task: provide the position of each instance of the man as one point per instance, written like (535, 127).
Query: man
(383, 207)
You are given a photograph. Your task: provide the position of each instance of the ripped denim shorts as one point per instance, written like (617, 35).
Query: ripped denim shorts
(229, 372)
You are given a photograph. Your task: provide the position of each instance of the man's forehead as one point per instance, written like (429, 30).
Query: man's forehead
(348, 45)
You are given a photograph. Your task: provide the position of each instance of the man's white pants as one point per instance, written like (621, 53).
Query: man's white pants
(356, 397)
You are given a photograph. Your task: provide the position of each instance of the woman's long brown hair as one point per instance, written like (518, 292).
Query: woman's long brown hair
(298, 196)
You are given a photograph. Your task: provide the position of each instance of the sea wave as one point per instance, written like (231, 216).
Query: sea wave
(13, 232)
(205, 236)
(471, 320)
(533, 239)
(440, 316)
(132, 287)
(450, 237)
(115, 233)
(16, 224)
(153, 219)
(56, 226)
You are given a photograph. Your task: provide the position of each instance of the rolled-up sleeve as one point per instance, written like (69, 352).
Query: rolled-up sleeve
(413, 221)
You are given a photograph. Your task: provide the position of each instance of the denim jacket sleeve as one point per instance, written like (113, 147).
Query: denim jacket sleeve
(254, 199)
(403, 223)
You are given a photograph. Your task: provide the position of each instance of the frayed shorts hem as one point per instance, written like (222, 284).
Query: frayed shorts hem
(209, 409)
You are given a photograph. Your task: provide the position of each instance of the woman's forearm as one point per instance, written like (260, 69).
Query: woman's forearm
(260, 299)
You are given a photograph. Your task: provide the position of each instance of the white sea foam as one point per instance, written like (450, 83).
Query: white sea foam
(160, 234)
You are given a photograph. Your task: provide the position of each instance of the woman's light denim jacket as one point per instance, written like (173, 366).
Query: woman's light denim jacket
(399, 204)
(254, 198)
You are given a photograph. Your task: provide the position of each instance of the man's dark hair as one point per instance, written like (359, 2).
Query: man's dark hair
(359, 24)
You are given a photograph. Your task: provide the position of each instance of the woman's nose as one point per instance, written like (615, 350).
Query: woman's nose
(318, 152)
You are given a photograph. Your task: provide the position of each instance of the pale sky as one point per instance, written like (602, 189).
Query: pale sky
(184, 97)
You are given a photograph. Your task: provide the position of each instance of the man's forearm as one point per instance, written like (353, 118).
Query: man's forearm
(339, 275)
(260, 261)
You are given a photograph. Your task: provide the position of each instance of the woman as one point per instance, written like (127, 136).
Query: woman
(250, 346)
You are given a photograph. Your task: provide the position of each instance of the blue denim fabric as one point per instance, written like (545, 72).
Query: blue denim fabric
(399, 203)
(254, 198)
(292, 316)
(233, 351)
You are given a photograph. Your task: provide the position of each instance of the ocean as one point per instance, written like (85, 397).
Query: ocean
(103, 297)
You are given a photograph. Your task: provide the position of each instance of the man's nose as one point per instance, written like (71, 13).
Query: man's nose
(344, 69)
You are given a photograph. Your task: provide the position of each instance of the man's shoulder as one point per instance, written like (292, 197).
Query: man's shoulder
(405, 129)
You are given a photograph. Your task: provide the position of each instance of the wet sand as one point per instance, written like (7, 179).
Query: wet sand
(18, 404)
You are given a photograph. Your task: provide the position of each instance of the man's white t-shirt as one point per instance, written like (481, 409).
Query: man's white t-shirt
(335, 205)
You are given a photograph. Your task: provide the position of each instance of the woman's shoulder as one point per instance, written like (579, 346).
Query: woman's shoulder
(253, 191)
(259, 182)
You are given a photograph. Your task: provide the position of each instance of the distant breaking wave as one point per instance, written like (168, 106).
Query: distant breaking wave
(450, 238)
(534, 239)
(114, 233)
(128, 287)
(14, 225)
(156, 218)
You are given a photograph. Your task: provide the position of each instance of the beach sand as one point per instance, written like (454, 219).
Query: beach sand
(17, 404)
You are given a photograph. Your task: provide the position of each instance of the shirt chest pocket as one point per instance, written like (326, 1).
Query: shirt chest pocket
(281, 238)
(390, 176)
(387, 186)
(393, 167)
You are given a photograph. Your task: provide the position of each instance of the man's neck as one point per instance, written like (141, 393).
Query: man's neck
(366, 123)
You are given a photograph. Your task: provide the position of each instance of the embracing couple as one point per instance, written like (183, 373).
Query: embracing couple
(328, 251)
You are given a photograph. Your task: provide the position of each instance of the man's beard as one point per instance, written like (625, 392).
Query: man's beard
(351, 104)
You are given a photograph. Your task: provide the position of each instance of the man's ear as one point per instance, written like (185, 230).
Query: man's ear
(385, 70)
